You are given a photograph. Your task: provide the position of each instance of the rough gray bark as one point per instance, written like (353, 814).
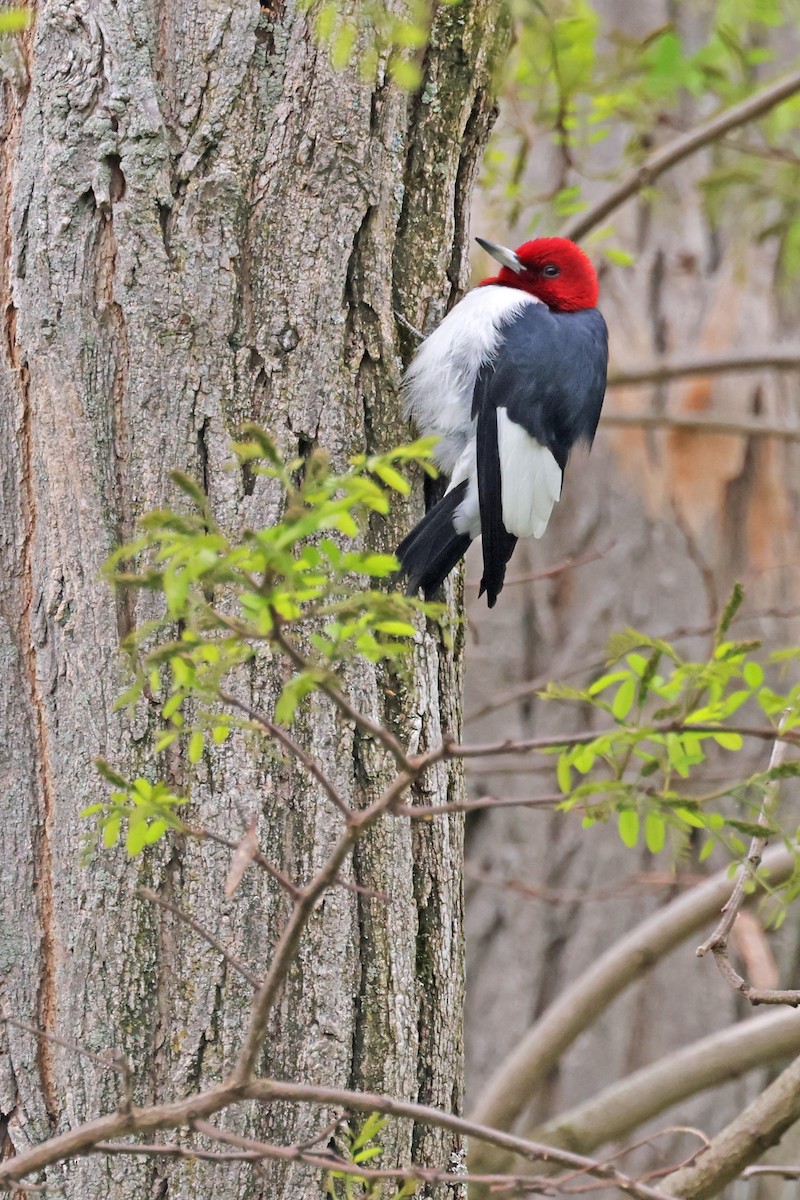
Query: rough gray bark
(681, 516)
(203, 224)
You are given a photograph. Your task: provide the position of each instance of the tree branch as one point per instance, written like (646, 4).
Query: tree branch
(204, 933)
(663, 370)
(304, 905)
(294, 748)
(624, 1106)
(530, 745)
(86, 1138)
(509, 1089)
(375, 730)
(709, 425)
(754, 106)
(717, 943)
(761, 1125)
(200, 832)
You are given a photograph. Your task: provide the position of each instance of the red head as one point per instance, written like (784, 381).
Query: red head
(554, 270)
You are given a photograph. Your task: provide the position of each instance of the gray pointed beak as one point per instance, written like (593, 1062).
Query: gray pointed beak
(503, 255)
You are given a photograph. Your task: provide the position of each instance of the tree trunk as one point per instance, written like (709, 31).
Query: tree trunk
(204, 224)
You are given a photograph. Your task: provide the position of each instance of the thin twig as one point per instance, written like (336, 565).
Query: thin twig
(569, 564)
(201, 833)
(297, 752)
(754, 106)
(269, 1090)
(649, 881)
(747, 1137)
(305, 903)
(717, 942)
(45, 1035)
(205, 934)
(422, 812)
(326, 1160)
(325, 684)
(517, 1077)
(582, 738)
(84, 1139)
(763, 1169)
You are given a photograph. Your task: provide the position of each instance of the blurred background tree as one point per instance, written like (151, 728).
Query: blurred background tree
(658, 523)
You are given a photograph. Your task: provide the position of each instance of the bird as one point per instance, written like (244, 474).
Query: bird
(510, 380)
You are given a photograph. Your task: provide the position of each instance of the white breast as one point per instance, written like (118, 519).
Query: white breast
(438, 385)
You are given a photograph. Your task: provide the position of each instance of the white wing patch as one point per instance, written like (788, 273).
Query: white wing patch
(531, 479)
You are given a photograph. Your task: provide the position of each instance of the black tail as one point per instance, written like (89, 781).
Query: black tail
(433, 547)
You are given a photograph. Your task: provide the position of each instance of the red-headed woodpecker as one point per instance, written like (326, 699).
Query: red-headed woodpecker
(510, 380)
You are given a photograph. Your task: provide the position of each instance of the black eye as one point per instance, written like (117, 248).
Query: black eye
(551, 271)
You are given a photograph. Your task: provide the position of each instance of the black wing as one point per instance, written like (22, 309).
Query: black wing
(549, 374)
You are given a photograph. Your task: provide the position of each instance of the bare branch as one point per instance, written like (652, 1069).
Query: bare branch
(205, 934)
(86, 1138)
(624, 1106)
(114, 1062)
(305, 903)
(201, 833)
(643, 880)
(762, 1124)
(294, 748)
(783, 1172)
(532, 745)
(509, 1090)
(569, 564)
(422, 812)
(664, 370)
(717, 943)
(661, 160)
(269, 1090)
(710, 425)
(375, 730)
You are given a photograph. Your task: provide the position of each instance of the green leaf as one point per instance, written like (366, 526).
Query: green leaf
(172, 705)
(628, 823)
(372, 1126)
(564, 774)
(196, 746)
(396, 628)
(137, 837)
(605, 681)
(584, 758)
(690, 817)
(706, 850)
(729, 741)
(407, 75)
(155, 830)
(753, 675)
(111, 829)
(623, 701)
(14, 20)
(654, 832)
(293, 692)
(392, 478)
